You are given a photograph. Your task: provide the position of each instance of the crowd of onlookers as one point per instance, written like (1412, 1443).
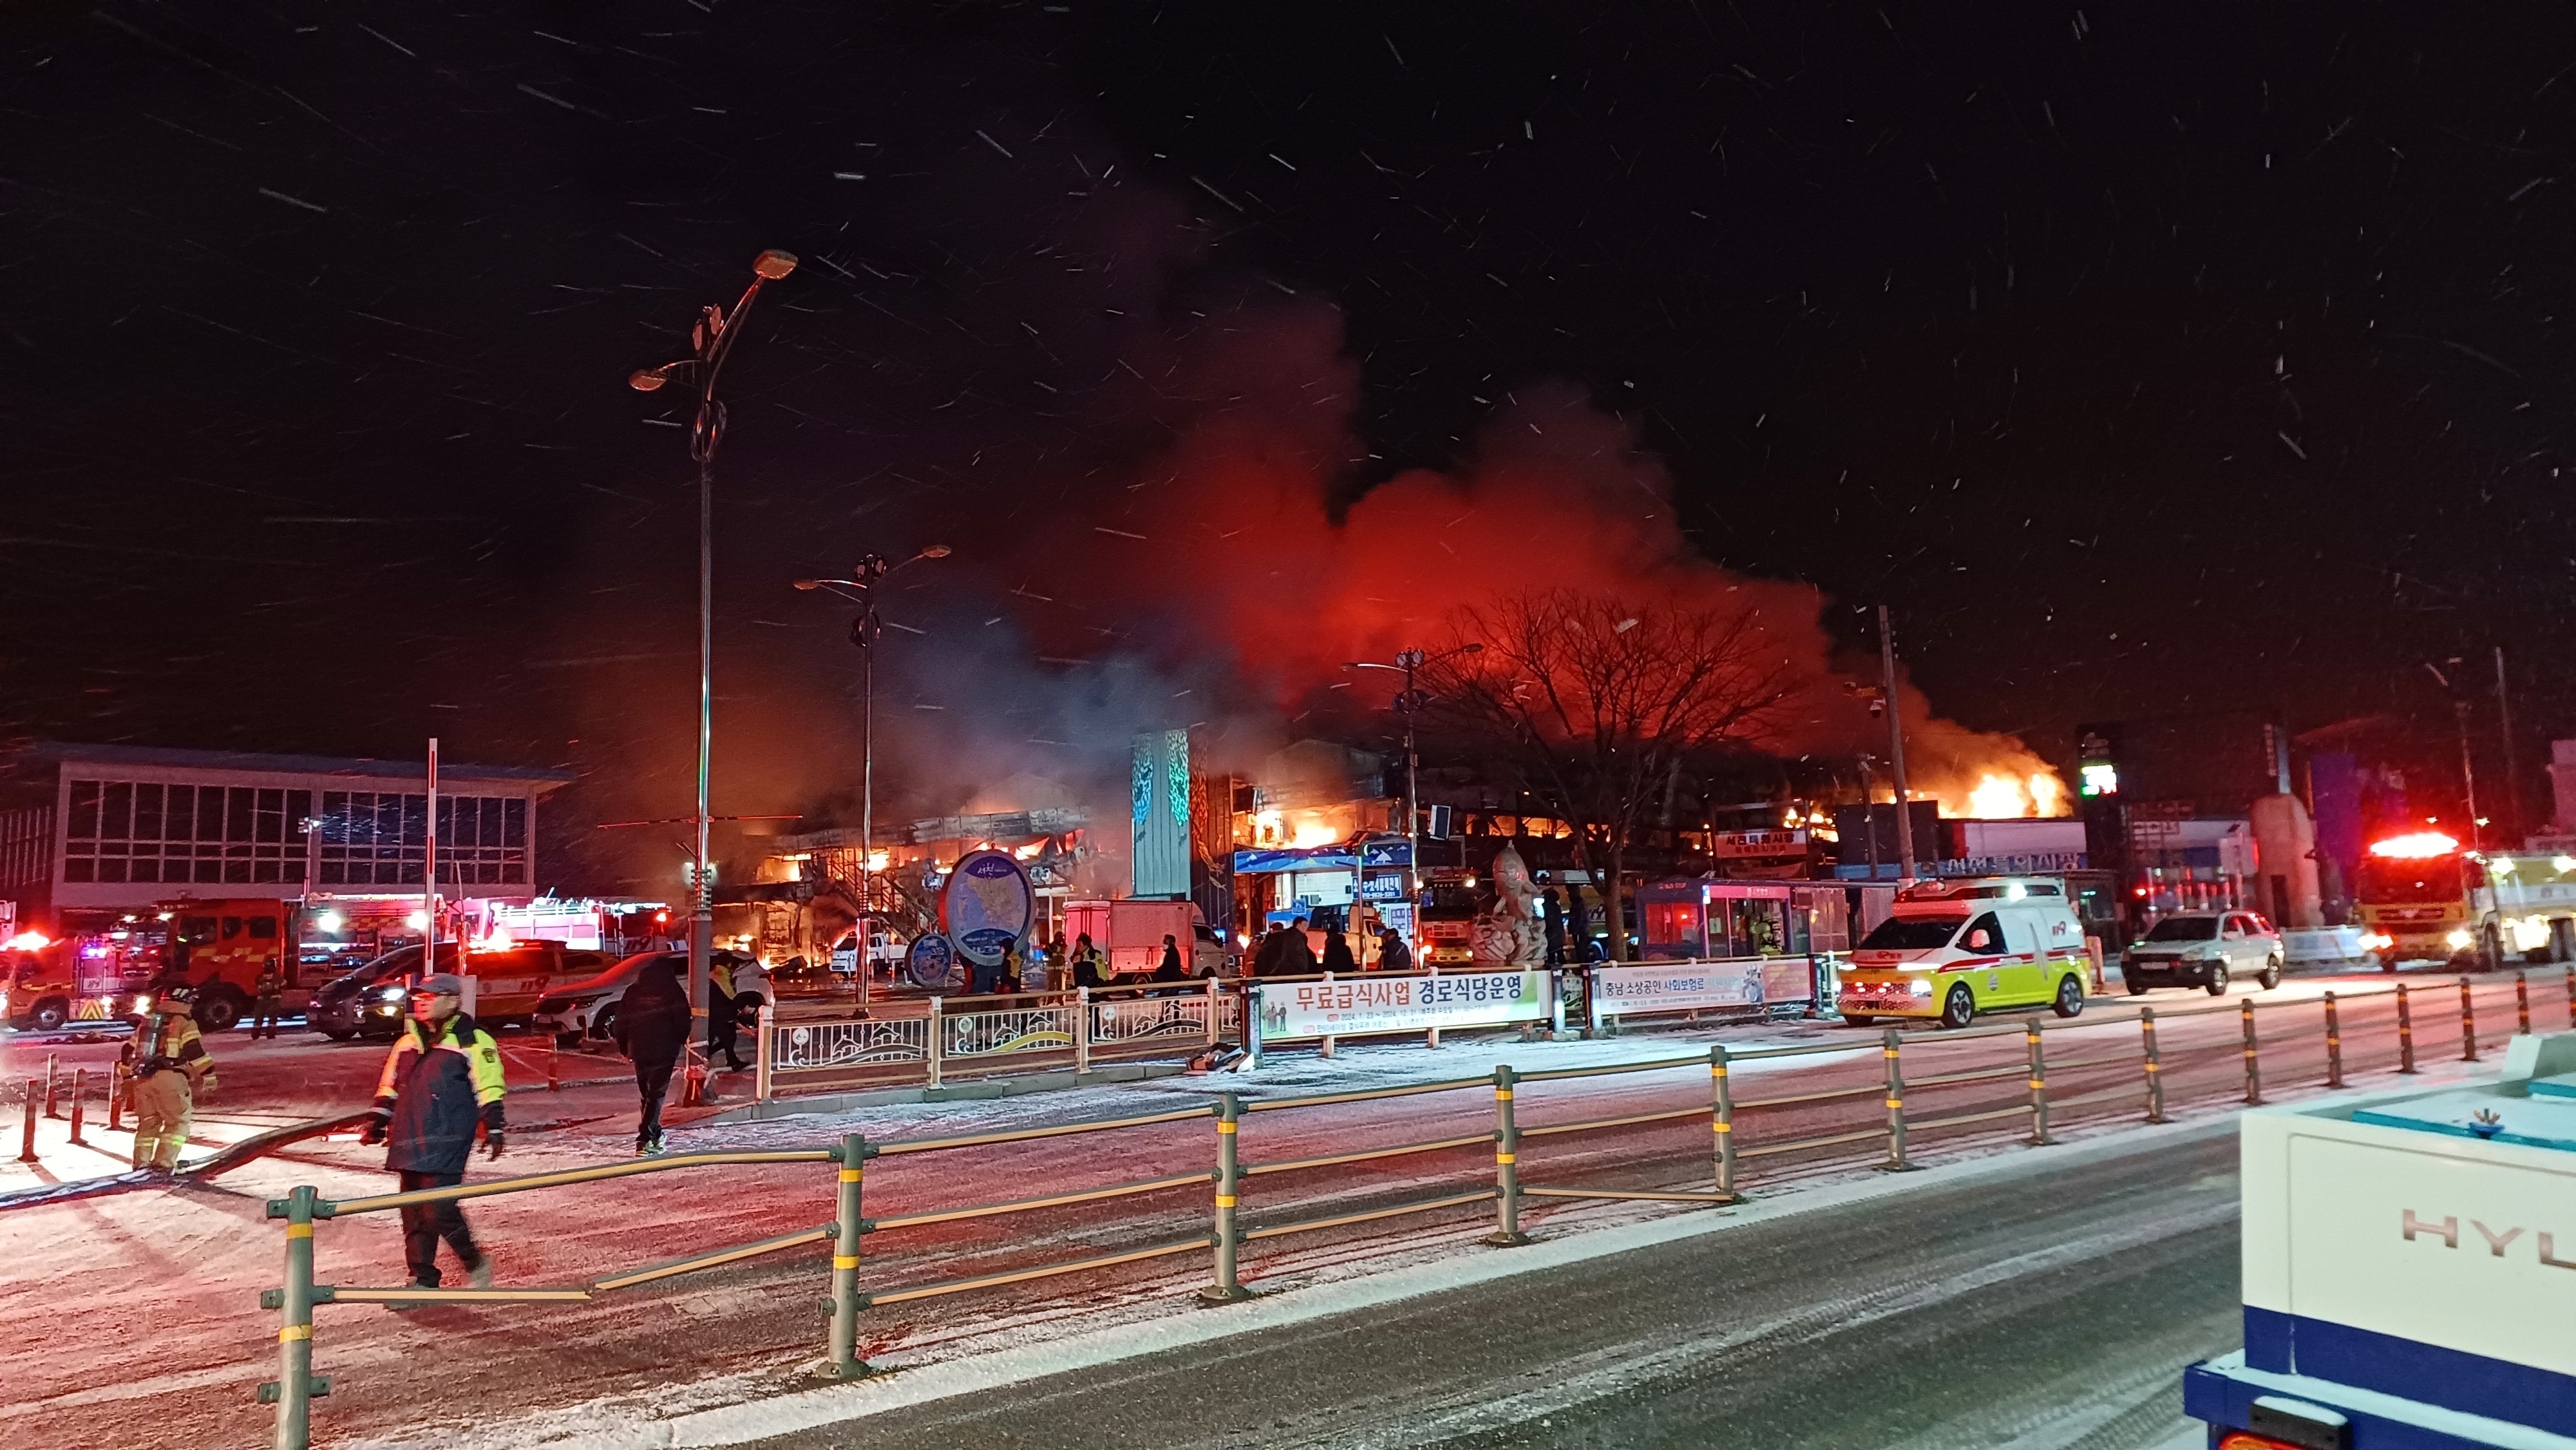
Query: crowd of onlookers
(1289, 951)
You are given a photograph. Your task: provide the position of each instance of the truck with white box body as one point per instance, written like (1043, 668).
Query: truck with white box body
(1129, 933)
(2409, 1269)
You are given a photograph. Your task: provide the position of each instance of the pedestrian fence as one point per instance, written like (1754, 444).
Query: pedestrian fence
(2025, 1075)
(803, 1049)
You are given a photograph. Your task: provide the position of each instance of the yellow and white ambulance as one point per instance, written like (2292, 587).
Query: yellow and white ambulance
(1953, 949)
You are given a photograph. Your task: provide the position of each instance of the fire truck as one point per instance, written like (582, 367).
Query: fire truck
(2423, 899)
(223, 946)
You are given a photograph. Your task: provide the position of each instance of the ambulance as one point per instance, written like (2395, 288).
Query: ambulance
(1952, 949)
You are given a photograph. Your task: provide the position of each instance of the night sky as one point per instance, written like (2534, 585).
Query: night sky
(2142, 357)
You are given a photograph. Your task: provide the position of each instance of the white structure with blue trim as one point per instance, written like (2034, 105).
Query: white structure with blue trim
(2409, 1268)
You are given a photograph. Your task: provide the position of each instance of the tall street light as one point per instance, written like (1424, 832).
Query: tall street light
(1407, 662)
(862, 590)
(711, 341)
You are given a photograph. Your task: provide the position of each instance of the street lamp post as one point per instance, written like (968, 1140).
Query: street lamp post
(711, 341)
(864, 631)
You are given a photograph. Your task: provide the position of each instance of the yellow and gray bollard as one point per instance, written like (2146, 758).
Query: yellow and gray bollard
(1228, 1288)
(2039, 1135)
(2334, 1044)
(80, 1101)
(296, 1386)
(2405, 1034)
(1896, 1161)
(2468, 1024)
(2155, 1068)
(2253, 1054)
(2522, 1004)
(1722, 1123)
(1507, 1173)
(846, 1301)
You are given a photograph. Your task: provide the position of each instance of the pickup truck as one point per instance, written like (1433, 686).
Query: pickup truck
(2409, 1263)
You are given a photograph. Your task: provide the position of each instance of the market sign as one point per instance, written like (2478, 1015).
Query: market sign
(1750, 845)
(1336, 857)
(2032, 863)
(1375, 1003)
(1678, 987)
(931, 961)
(986, 908)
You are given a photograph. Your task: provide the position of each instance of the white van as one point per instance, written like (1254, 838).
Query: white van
(1952, 949)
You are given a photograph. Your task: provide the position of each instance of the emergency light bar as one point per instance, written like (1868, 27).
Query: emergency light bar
(2415, 846)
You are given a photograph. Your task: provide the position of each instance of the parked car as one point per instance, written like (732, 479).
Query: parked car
(2204, 949)
(366, 1000)
(587, 1007)
(509, 986)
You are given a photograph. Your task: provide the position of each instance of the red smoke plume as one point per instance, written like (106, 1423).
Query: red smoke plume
(1239, 541)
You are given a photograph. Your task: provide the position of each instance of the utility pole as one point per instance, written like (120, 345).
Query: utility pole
(1895, 745)
(1407, 662)
(2469, 776)
(2512, 814)
(1411, 659)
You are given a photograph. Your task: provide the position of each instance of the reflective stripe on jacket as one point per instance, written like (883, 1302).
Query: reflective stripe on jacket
(434, 1092)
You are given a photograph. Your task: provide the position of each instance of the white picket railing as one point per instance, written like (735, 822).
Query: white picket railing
(993, 1030)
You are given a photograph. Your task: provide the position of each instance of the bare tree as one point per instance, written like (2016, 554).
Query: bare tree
(1595, 705)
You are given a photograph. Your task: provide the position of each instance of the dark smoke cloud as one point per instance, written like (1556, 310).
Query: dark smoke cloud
(339, 479)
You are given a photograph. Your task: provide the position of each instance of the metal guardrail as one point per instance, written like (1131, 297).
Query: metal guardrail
(303, 1208)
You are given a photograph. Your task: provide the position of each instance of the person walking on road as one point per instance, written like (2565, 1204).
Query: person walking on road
(1392, 954)
(651, 1026)
(170, 1067)
(441, 1082)
(267, 990)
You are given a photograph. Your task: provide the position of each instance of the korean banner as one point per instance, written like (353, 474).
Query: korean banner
(1371, 1003)
(1677, 987)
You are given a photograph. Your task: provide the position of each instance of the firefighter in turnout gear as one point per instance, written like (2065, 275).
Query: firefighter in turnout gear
(267, 991)
(441, 1082)
(170, 1067)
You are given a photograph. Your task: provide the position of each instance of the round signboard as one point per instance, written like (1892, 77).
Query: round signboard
(930, 963)
(987, 908)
